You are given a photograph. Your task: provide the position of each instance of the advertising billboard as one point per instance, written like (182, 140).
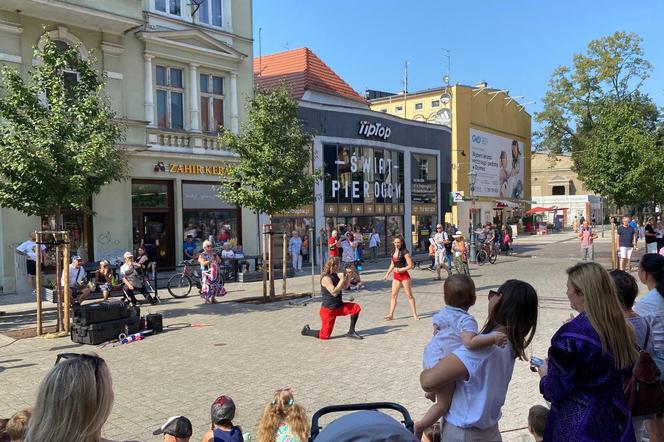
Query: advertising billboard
(498, 162)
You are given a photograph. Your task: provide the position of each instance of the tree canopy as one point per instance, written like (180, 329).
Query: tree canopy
(273, 173)
(58, 134)
(595, 110)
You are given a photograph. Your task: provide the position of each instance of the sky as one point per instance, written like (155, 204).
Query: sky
(511, 44)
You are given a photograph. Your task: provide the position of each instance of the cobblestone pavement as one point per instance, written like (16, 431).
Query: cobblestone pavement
(248, 351)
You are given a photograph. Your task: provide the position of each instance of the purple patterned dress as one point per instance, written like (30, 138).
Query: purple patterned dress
(584, 388)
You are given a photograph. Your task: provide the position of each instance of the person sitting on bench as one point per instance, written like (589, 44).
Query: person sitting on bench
(78, 281)
(133, 280)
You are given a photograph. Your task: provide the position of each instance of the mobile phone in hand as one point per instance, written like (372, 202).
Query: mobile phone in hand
(535, 362)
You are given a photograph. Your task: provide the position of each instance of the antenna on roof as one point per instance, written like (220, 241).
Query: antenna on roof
(522, 106)
(260, 53)
(405, 87)
(446, 78)
(285, 45)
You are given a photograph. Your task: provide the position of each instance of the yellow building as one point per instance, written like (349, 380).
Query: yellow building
(490, 135)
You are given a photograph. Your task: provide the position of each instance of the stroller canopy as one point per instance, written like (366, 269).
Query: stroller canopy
(365, 426)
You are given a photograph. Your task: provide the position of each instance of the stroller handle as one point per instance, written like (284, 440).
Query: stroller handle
(315, 428)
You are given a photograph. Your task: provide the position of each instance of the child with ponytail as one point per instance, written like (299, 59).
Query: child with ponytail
(283, 420)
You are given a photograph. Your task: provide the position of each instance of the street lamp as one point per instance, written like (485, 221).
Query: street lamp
(472, 177)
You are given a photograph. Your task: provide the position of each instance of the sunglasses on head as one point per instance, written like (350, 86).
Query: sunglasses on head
(96, 360)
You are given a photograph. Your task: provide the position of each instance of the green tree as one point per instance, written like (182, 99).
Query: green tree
(274, 171)
(595, 110)
(58, 137)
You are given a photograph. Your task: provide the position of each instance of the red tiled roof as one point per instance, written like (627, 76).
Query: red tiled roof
(301, 70)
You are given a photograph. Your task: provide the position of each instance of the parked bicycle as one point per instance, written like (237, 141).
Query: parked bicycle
(180, 284)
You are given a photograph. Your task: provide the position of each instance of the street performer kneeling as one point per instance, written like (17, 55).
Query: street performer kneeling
(332, 285)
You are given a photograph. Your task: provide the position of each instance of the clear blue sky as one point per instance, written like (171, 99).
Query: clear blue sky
(511, 44)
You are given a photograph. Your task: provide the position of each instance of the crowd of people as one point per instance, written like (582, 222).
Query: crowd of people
(585, 376)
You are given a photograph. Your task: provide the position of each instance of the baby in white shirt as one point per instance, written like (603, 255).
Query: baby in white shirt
(453, 326)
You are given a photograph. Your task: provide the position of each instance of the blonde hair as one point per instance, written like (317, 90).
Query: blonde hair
(329, 265)
(283, 408)
(73, 402)
(604, 312)
(207, 243)
(18, 423)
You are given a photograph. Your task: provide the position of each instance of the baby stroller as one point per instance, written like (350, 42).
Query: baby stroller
(366, 424)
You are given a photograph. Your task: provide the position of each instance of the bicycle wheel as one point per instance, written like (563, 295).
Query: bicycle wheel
(481, 257)
(492, 257)
(179, 286)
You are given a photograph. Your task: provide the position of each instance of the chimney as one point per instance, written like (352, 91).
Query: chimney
(482, 84)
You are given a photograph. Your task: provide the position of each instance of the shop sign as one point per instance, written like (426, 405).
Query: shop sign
(190, 169)
(424, 209)
(456, 197)
(379, 166)
(304, 212)
(374, 130)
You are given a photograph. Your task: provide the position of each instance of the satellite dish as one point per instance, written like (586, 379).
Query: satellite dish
(445, 97)
(444, 118)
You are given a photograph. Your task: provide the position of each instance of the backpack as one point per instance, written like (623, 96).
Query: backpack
(644, 390)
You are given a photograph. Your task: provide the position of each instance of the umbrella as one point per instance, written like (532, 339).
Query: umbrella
(539, 210)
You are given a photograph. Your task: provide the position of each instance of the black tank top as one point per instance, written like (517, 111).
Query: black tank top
(330, 301)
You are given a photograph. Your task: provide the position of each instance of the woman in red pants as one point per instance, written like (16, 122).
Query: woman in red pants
(400, 264)
(332, 284)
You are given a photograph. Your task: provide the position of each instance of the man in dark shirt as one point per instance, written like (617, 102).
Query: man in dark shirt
(626, 239)
(651, 236)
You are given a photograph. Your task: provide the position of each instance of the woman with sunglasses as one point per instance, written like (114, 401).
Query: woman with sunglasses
(400, 264)
(212, 284)
(85, 381)
(589, 359)
(482, 376)
(104, 279)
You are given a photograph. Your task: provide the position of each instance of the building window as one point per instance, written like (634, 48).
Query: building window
(210, 12)
(169, 98)
(398, 109)
(384, 111)
(168, 6)
(212, 102)
(558, 190)
(418, 106)
(435, 103)
(206, 216)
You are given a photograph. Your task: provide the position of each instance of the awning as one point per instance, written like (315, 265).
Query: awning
(544, 209)
(507, 203)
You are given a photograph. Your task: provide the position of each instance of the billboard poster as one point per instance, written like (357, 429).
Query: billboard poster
(498, 162)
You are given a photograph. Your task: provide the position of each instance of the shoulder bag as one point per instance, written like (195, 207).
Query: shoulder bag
(643, 390)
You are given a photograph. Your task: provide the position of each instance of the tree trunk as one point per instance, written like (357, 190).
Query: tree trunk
(284, 265)
(65, 275)
(58, 287)
(271, 259)
(38, 284)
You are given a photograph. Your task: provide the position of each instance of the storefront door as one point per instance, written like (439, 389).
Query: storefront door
(153, 223)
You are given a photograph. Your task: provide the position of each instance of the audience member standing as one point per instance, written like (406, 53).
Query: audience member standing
(626, 240)
(29, 249)
(651, 236)
(85, 381)
(587, 236)
(295, 249)
(589, 360)
(651, 306)
(283, 419)
(481, 377)
(374, 243)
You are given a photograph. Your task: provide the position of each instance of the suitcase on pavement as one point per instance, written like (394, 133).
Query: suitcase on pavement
(99, 312)
(154, 322)
(104, 331)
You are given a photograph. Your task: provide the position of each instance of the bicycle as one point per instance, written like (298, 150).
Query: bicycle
(184, 280)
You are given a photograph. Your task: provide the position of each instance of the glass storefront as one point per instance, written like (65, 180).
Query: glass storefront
(424, 201)
(152, 220)
(79, 225)
(206, 216)
(364, 190)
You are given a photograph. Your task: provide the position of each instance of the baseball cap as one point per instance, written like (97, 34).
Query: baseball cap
(223, 409)
(178, 426)
(77, 258)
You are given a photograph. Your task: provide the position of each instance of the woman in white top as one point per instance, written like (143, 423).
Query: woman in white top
(651, 307)
(482, 376)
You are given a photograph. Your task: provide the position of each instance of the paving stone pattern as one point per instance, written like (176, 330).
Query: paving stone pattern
(248, 351)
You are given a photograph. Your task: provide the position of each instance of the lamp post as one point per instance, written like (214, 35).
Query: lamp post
(472, 176)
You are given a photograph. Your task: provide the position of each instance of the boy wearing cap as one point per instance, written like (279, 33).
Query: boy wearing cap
(222, 429)
(175, 429)
(77, 280)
